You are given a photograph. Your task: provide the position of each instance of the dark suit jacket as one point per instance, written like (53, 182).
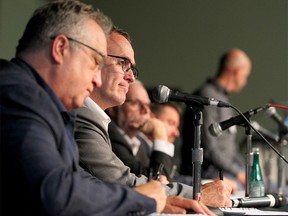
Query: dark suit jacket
(96, 155)
(142, 162)
(39, 158)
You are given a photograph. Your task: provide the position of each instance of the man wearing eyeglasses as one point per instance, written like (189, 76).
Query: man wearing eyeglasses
(91, 132)
(58, 61)
(128, 120)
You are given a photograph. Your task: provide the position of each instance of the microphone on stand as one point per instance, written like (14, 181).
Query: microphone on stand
(265, 132)
(271, 112)
(162, 94)
(270, 200)
(217, 128)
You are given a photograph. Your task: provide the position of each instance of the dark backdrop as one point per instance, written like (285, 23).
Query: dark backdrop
(178, 43)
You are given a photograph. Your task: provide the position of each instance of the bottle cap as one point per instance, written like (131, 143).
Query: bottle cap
(255, 149)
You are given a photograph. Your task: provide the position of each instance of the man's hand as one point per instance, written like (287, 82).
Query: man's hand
(155, 190)
(180, 205)
(216, 194)
(155, 129)
(232, 183)
(163, 179)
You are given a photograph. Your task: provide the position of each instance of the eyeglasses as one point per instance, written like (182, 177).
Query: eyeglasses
(126, 65)
(138, 103)
(103, 57)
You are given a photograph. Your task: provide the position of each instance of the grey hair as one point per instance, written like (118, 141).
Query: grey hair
(60, 17)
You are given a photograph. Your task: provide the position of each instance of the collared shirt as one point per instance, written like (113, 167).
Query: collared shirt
(158, 145)
(134, 142)
(105, 119)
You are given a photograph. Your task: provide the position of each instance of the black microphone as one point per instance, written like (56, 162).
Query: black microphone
(270, 200)
(276, 117)
(265, 132)
(162, 94)
(217, 128)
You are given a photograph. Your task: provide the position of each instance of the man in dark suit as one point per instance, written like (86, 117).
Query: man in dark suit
(91, 134)
(139, 140)
(58, 61)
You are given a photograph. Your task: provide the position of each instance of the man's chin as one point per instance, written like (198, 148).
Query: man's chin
(134, 126)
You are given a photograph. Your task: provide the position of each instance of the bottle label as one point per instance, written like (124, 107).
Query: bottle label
(257, 189)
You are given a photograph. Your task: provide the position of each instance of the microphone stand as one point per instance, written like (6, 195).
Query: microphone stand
(249, 161)
(280, 170)
(197, 152)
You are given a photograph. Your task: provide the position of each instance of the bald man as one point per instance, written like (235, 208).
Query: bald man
(219, 152)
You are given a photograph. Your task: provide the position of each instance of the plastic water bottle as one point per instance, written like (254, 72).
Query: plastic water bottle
(256, 182)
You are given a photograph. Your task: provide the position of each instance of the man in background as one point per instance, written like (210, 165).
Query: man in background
(220, 153)
(170, 113)
(133, 117)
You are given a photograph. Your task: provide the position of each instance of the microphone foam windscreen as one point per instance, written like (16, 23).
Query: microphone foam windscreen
(283, 200)
(215, 129)
(270, 111)
(160, 94)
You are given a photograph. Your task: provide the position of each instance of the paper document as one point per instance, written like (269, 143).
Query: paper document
(250, 211)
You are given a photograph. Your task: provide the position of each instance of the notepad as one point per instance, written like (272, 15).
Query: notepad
(249, 211)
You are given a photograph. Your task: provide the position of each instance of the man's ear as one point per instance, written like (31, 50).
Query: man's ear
(59, 47)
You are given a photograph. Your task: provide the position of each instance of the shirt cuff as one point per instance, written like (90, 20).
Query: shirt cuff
(165, 147)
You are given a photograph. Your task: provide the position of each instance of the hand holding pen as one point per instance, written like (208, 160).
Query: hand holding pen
(232, 183)
(221, 174)
(158, 174)
(160, 168)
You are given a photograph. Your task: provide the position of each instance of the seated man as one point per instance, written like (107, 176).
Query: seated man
(91, 134)
(170, 114)
(145, 151)
(140, 141)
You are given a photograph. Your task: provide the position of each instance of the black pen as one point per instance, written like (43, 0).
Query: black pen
(150, 177)
(160, 168)
(221, 174)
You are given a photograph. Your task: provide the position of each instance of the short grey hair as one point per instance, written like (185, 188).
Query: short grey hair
(60, 17)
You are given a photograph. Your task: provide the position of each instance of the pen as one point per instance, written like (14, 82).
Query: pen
(150, 174)
(160, 168)
(221, 174)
